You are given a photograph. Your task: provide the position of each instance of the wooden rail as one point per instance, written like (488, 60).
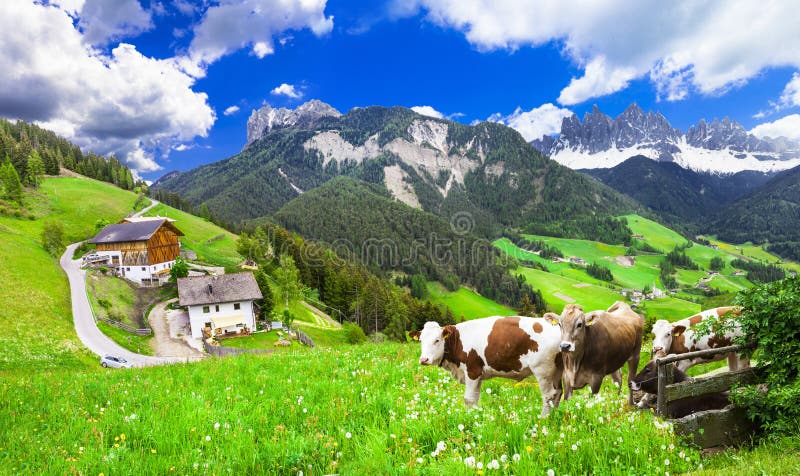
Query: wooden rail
(667, 392)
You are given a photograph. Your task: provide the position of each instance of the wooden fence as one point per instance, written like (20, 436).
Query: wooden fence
(221, 351)
(126, 327)
(728, 426)
(303, 337)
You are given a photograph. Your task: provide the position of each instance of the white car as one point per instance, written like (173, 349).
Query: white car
(114, 362)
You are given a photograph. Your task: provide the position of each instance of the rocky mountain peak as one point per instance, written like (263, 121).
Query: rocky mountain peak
(267, 118)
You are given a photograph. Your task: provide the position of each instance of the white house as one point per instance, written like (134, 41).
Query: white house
(222, 304)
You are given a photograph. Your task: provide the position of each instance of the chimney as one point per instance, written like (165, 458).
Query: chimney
(210, 288)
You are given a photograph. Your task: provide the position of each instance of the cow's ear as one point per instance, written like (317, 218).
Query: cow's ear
(591, 318)
(552, 318)
(678, 330)
(447, 331)
(414, 334)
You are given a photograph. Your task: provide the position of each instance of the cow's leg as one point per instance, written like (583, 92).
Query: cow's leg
(550, 385)
(568, 385)
(472, 392)
(737, 362)
(633, 366)
(595, 382)
(616, 377)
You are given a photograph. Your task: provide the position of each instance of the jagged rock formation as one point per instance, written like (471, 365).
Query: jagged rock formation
(720, 146)
(268, 118)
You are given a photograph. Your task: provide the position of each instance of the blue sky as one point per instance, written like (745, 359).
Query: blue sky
(151, 81)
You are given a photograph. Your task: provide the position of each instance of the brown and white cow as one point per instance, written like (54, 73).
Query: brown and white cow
(598, 344)
(511, 347)
(679, 338)
(647, 381)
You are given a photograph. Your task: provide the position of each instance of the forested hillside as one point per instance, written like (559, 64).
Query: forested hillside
(440, 166)
(771, 214)
(34, 152)
(362, 223)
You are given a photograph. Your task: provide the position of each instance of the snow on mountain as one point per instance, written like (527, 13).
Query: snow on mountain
(717, 147)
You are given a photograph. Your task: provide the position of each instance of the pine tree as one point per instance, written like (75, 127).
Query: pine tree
(13, 186)
(268, 303)
(35, 169)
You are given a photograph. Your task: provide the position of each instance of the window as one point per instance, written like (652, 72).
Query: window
(216, 308)
(206, 309)
(127, 269)
(144, 268)
(237, 306)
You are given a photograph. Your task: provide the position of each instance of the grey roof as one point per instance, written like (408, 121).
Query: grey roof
(224, 288)
(139, 231)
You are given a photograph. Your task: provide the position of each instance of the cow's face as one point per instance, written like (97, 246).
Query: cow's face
(573, 326)
(432, 338)
(647, 379)
(663, 333)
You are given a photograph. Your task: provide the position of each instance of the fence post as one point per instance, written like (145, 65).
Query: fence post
(665, 377)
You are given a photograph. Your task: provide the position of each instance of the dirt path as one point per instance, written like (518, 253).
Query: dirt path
(564, 297)
(163, 344)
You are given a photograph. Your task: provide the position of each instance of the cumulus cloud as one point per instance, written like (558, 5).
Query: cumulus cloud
(791, 93)
(539, 121)
(428, 111)
(122, 102)
(231, 110)
(102, 21)
(707, 47)
(237, 24)
(287, 90)
(787, 126)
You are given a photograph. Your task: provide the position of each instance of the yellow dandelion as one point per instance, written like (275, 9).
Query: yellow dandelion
(122, 436)
(528, 448)
(153, 451)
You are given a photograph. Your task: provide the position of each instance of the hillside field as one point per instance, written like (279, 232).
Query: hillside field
(34, 293)
(466, 303)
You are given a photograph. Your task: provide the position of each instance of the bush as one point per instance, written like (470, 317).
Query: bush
(600, 272)
(353, 333)
(770, 320)
(53, 238)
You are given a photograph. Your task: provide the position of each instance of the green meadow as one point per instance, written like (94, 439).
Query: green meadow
(466, 303)
(559, 291)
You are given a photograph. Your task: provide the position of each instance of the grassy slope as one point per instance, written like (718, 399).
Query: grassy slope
(467, 303)
(368, 409)
(34, 292)
(213, 245)
(591, 297)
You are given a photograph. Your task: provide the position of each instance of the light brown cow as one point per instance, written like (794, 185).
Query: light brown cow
(597, 344)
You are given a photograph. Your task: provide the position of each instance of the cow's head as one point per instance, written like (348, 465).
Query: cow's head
(663, 333)
(573, 324)
(432, 337)
(647, 379)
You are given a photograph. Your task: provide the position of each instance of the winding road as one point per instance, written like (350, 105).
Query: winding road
(85, 325)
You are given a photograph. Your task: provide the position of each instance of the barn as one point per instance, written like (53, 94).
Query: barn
(142, 251)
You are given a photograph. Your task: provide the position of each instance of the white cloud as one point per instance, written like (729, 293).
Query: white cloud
(122, 103)
(787, 126)
(791, 93)
(236, 24)
(230, 110)
(287, 90)
(102, 21)
(428, 111)
(708, 46)
(539, 121)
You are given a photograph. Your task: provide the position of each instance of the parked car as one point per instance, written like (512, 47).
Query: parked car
(114, 362)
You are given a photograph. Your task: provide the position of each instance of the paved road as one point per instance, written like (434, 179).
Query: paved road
(85, 325)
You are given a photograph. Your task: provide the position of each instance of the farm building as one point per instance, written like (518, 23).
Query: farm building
(142, 251)
(222, 304)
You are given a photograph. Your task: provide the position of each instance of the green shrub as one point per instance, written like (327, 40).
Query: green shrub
(770, 319)
(353, 333)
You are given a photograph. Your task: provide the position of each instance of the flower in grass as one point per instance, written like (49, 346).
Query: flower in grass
(528, 448)
(574, 447)
(441, 446)
(666, 462)
(208, 437)
(420, 460)
(516, 457)
(488, 391)
(504, 458)
(479, 465)
(550, 472)
(460, 427)
(153, 451)
(493, 464)
(216, 426)
(469, 461)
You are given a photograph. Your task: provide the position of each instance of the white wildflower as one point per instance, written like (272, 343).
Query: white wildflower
(550, 472)
(470, 461)
(493, 465)
(516, 457)
(208, 437)
(348, 435)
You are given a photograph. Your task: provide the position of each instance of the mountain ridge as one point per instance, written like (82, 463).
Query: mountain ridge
(723, 147)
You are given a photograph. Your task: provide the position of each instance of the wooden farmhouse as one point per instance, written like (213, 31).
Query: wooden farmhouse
(142, 250)
(220, 304)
